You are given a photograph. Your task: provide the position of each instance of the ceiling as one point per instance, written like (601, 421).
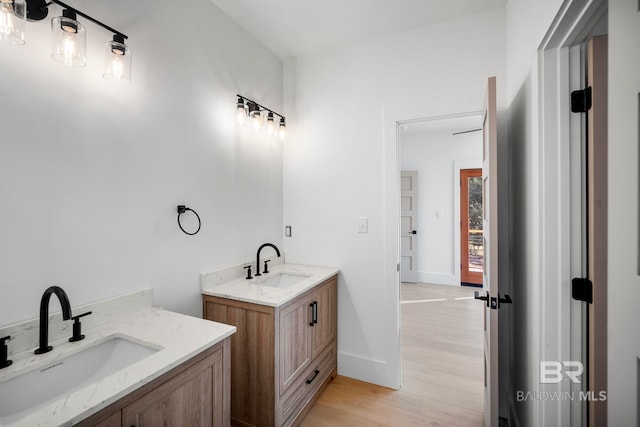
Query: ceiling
(297, 28)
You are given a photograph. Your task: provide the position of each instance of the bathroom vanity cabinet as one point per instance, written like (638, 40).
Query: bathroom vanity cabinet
(196, 393)
(282, 355)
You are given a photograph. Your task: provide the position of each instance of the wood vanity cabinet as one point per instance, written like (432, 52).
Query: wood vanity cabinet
(282, 356)
(196, 393)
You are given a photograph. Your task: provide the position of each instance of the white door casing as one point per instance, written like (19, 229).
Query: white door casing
(408, 232)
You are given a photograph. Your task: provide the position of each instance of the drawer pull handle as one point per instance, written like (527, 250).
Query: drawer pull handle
(314, 313)
(313, 377)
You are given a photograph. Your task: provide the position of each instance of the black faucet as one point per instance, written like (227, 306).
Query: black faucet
(258, 256)
(44, 315)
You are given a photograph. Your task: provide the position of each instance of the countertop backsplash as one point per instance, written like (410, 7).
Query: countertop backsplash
(224, 275)
(25, 334)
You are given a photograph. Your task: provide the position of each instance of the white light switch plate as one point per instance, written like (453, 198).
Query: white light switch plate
(363, 224)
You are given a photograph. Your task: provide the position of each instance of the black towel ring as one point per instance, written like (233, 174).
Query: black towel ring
(182, 209)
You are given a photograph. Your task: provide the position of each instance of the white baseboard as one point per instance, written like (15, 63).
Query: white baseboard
(365, 369)
(437, 278)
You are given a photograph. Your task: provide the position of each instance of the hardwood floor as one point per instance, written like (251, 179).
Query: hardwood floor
(442, 382)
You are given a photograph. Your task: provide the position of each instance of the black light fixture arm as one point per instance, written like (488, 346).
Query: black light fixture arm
(260, 106)
(84, 15)
(37, 10)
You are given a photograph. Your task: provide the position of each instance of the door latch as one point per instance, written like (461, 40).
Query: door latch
(493, 302)
(486, 298)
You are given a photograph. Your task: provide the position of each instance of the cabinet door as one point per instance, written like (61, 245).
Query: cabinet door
(114, 420)
(193, 398)
(324, 316)
(294, 349)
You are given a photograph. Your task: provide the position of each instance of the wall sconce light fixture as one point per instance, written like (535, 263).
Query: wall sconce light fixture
(68, 42)
(256, 114)
(12, 21)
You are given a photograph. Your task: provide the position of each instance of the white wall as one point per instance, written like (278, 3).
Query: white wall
(342, 162)
(91, 173)
(623, 259)
(527, 22)
(433, 155)
(526, 312)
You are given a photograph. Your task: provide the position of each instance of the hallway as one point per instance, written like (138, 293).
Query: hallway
(442, 368)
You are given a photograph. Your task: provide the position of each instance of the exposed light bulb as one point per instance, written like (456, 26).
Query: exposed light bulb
(117, 65)
(117, 69)
(282, 131)
(242, 116)
(271, 126)
(241, 112)
(256, 120)
(69, 51)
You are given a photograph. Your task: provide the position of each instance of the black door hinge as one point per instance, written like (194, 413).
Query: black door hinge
(581, 100)
(582, 289)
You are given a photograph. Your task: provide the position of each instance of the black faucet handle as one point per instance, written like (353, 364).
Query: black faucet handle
(77, 327)
(266, 266)
(75, 318)
(248, 268)
(4, 359)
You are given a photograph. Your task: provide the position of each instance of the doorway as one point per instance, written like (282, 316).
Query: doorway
(563, 70)
(434, 152)
(471, 245)
(432, 155)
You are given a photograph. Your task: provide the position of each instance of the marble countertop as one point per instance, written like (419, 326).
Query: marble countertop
(178, 338)
(219, 284)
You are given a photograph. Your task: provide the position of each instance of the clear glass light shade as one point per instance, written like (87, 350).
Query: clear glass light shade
(241, 113)
(12, 21)
(117, 62)
(271, 125)
(256, 120)
(282, 131)
(68, 42)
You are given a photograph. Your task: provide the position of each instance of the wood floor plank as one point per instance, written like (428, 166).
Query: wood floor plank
(442, 381)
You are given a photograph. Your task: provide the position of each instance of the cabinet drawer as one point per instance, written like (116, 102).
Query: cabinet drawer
(300, 391)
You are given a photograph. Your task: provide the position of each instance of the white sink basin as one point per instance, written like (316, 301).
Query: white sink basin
(21, 395)
(282, 280)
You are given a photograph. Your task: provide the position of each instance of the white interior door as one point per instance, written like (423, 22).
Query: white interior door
(490, 271)
(408, 232)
